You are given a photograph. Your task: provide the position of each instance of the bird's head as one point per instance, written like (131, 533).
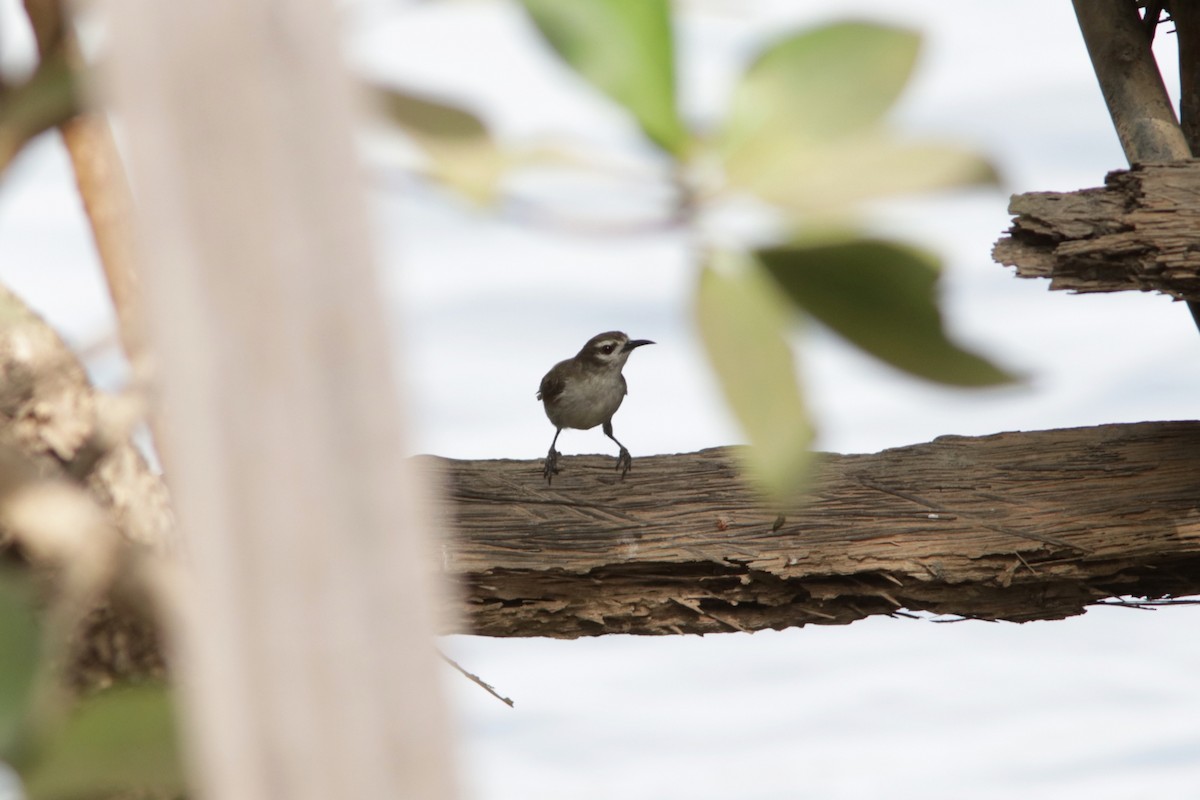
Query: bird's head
(610, 349)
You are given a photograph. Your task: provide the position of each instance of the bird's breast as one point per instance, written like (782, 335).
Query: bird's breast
(587, 401)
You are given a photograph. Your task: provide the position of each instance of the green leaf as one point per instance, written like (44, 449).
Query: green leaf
(825, 180)
(626, 49)
(20, 657)
(429, 118)
(116, 741)
(820, 85)
(882, 297)
(48, 98)
(743, 322)
(457, 141)
(805, 131)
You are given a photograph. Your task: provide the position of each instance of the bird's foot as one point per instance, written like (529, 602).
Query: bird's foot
(624, 462)
(550, 467)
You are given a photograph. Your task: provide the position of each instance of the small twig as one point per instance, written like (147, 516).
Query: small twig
(694, 607)
(1150, 19)
(815, 613)
(1026, 563)
(522, 211)
(1146, 605)
(1134, 606)
(519, 210)
(476, 679)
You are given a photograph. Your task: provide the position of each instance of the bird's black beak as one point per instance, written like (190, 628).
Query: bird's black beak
(631, 344)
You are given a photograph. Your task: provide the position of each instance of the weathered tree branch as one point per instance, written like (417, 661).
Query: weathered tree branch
(1141, 231)
(1119, 46)
(1015, 526)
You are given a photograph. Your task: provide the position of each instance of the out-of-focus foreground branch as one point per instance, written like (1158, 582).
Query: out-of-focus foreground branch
(304, 634)
(99, 174)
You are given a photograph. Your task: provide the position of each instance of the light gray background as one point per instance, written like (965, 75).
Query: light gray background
(1101, 706)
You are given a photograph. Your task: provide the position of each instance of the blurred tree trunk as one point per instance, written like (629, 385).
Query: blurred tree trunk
(303, 636)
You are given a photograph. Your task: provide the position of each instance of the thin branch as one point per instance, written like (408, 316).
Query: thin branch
(1129, 79)
(99, 175)
(520, 210)
(487, 687)
(1149, 605)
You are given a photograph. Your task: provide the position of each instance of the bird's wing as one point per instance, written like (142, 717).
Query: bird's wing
(552, 386)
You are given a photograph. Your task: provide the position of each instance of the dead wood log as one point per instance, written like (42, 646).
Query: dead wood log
(1141, 231)
(1015, 526)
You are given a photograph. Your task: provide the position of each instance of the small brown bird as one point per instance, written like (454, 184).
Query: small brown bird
(585, 391)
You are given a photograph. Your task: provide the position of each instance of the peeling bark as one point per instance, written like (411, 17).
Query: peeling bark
(1141, 231)
(1015, 526)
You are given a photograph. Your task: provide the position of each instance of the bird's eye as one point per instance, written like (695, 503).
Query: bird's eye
(607, 349)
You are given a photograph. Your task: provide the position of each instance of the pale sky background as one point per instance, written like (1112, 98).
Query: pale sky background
(1101, 706)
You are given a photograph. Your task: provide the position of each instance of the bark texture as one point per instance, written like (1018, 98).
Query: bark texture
(1141, 231)
(1015, 526)
(66, 460)
(1118, 43)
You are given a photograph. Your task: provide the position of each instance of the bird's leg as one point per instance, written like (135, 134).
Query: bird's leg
(624, 460)
(551, 466)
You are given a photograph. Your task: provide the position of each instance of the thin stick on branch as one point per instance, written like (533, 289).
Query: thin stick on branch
(487, 687)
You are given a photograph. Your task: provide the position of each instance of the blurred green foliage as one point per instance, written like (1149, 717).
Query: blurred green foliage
(114, 741)
(626, 49)
(457, 142)
(20, 658)
(744, 324)
(38, 103)
(804, 133)
(867, 290)
(120, 739)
